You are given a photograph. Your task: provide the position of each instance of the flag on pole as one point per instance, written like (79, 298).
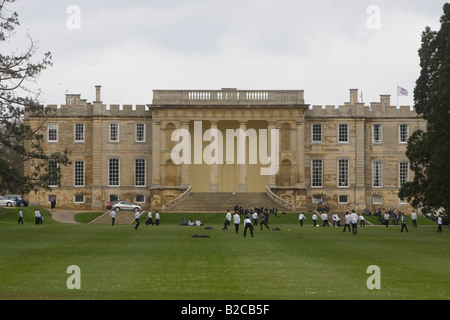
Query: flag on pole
(402, 91)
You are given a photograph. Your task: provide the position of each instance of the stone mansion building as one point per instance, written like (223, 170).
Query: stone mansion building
(352, 156)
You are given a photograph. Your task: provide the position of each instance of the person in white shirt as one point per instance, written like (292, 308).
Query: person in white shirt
(112, 213)
(37, 216)
(347, 221)
(314, 218)
(198, 223)
(362, 221)
(157, 218)
(336, 220)
(248, 225)
(255, 218)
(324, 217)
(439, 224)
(301, 217)
(386, 219)
(149, 218)
(137, 215)
(227, 222)
(354, 222)
(237, 221)
(20, 217)
(414, 219)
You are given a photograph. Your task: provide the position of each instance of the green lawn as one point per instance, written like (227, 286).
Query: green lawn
(167, 263)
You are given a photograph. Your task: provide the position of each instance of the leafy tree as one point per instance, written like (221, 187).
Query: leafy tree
(429, 151)
(19, 143)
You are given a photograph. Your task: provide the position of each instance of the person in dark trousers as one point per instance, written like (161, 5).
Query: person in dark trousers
(237, 221)
(248, 225)
(414, 219)
(149, 219)
(262, 221)
(439, 221)
(404, 222)
(354, 222)
(301, 217)
(137, 218)
(113, 216)
(386, 219)
(347, 221)
(227, 222)
(157, 218)
(53, 204)
(20, 217)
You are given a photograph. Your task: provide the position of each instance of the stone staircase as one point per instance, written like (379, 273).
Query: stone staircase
(122, 217)
(220, 202)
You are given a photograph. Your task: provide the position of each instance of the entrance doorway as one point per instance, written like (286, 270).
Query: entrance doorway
(228, 178)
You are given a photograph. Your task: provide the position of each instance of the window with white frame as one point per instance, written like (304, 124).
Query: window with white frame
(52, 133)
(113, 172)
(403, 133)
(377, 199)
(343, 171)
(114, 132)
(317, 173)
(403, 173)
(79, 198)
(316, 133)
(79, 132)
(343, 199)
(316, 199)
(377, 174)
(139, 172)
(140, 132)
(377, 133)
(343, 133)
(79, 174)
(52, 168)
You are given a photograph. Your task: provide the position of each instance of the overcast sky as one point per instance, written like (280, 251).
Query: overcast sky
(133, 47)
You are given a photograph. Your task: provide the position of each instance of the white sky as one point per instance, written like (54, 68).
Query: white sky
(323, 47)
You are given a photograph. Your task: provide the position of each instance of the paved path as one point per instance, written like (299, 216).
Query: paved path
(64, 216)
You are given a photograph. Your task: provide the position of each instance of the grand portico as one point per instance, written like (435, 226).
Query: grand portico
(225, 110)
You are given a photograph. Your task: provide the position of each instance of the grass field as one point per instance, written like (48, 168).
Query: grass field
(167, 263)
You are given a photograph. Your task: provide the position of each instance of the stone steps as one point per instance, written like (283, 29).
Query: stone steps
(220, 202)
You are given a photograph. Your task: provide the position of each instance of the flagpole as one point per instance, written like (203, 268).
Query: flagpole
(397, 95)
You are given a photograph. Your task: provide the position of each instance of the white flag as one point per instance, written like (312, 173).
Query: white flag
(402, 91)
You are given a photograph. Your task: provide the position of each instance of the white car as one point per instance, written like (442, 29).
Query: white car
(126, 205)
(7, 202)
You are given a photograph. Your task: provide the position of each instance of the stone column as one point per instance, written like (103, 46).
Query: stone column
(271, 124)
(214, 170)
(243, 184)
(185, 167)
(156, 154)
(300, 149)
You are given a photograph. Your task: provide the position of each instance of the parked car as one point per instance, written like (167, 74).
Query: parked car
(323, 206)
(126, 205)
(18, 199)
(7, 202)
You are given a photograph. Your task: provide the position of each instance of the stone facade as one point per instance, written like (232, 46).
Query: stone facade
(352, 156)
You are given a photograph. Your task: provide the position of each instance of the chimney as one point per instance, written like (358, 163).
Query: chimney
(353, 96)
(385, 100)
(97, 94)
